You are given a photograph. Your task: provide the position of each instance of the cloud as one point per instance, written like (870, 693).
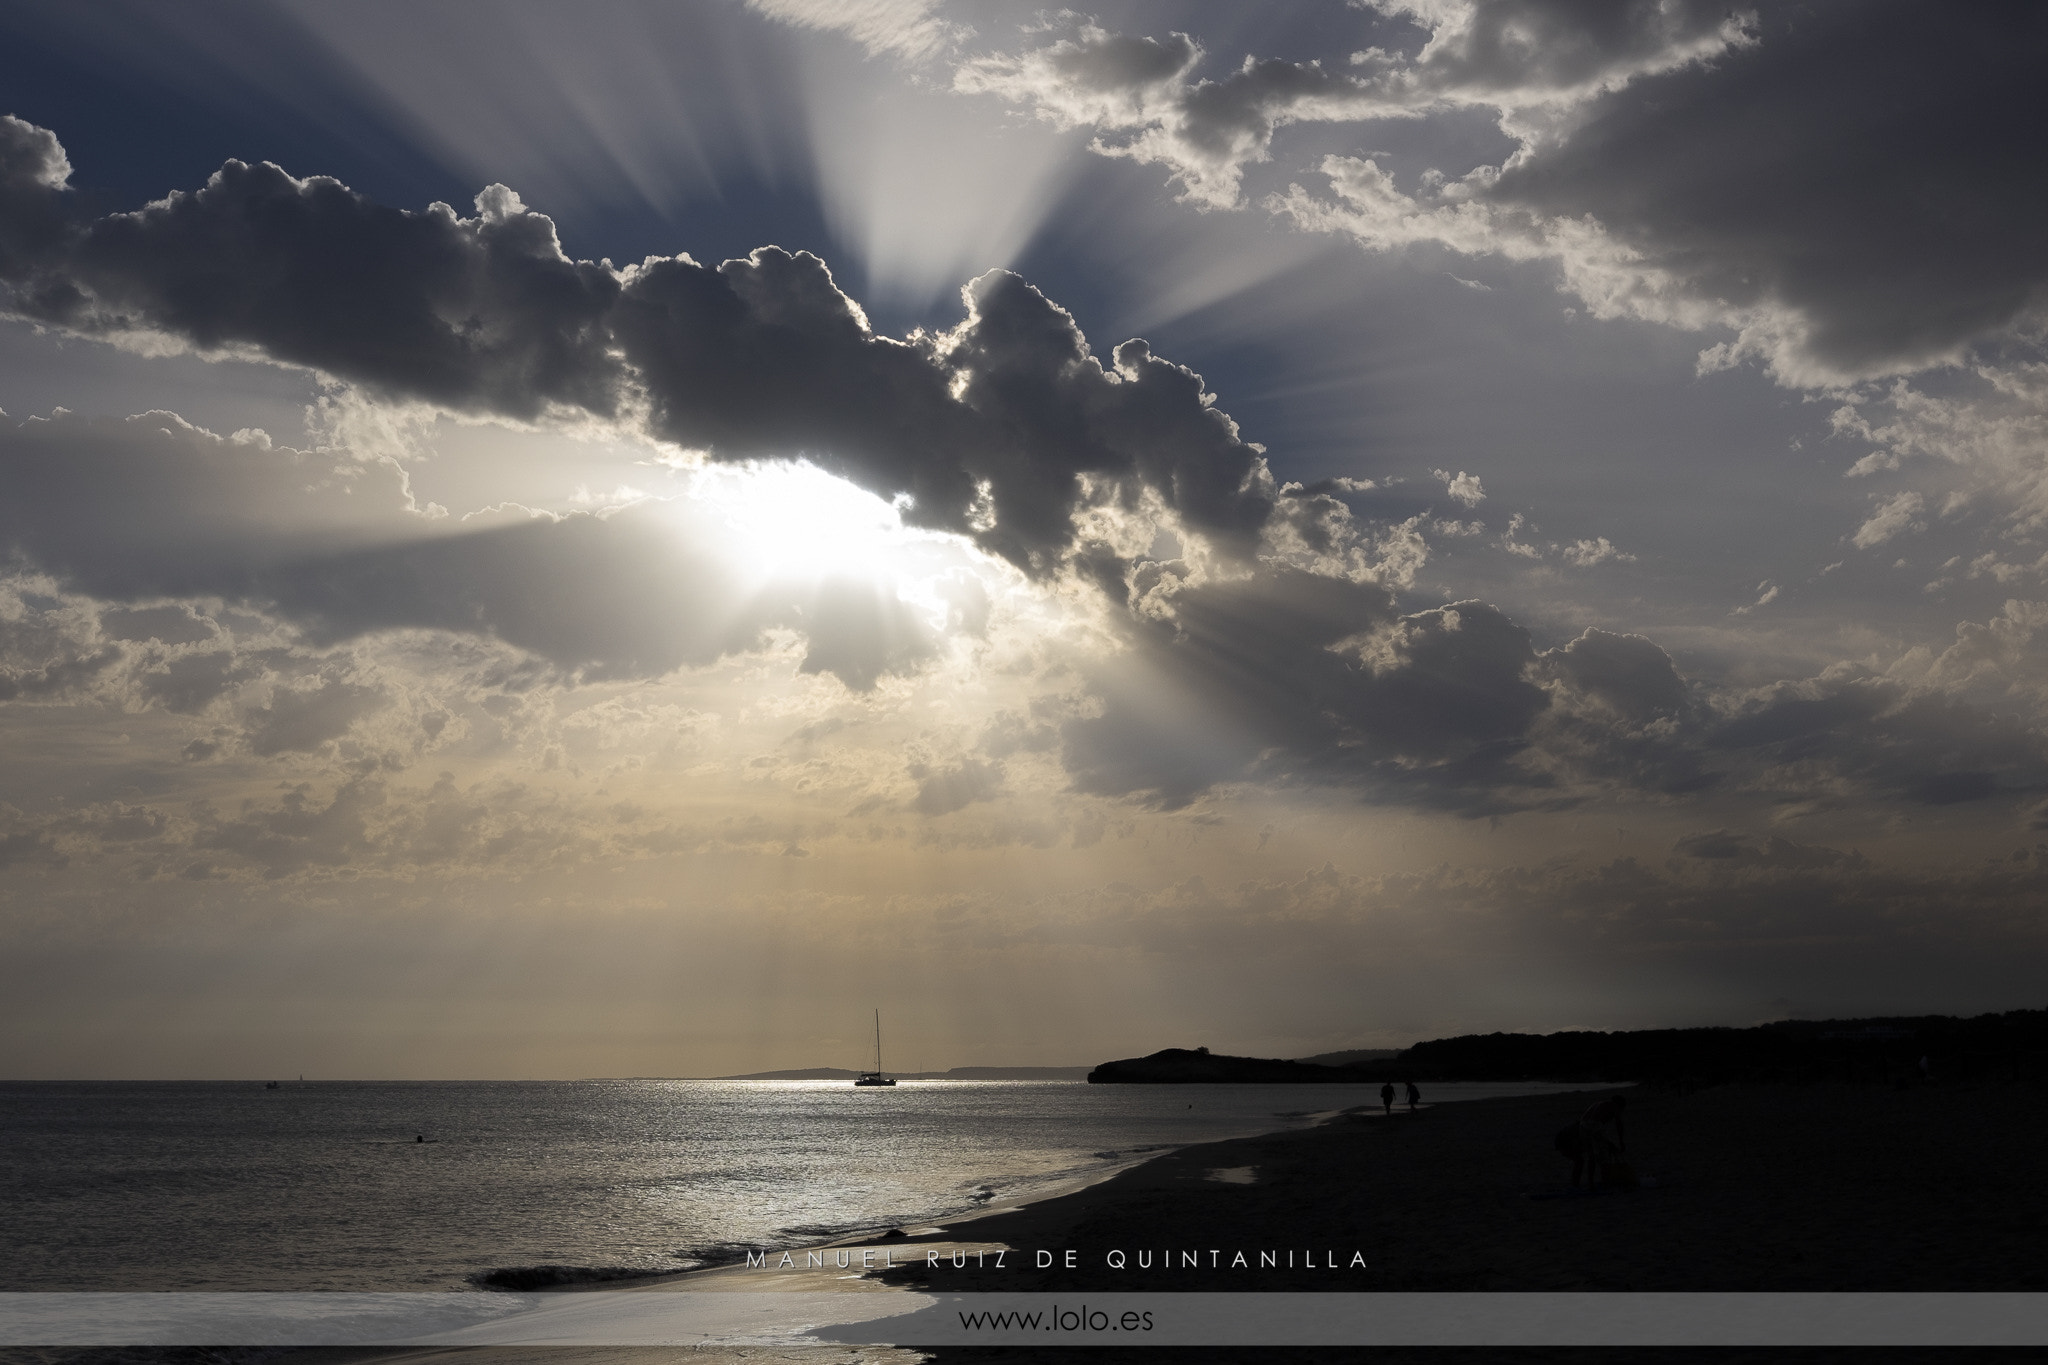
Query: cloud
(1997, 652)
(1838, 269)
(1895, 515)
(1584, 554)
(941, 791)
(1829, 261)
(1461, 486)
(152, 506)
(1524, 54)
(1137, 89)
(1854, 272)
(633, 595)
(1004, 429)
(25, 849)
(1767, 593)
(1141, 95)
(188, 684)
(1307, 679)
(1993, 428)
(1831, 741)
(479, 314)
(1292, 679)
(34, 174)
(1626, 673)
(302, 720)
(1272, 648)
(905, 28)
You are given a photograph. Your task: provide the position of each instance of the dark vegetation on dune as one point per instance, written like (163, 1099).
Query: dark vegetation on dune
(1989, 1046)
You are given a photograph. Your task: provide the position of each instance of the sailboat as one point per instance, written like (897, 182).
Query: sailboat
(876, 1077)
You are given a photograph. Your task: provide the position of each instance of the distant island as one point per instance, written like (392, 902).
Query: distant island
(2014, 1043)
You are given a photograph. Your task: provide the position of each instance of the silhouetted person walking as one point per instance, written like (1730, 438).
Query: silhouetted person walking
(1414, 1096)
(1387, 1096)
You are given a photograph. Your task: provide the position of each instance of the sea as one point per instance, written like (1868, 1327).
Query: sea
(389, 1185)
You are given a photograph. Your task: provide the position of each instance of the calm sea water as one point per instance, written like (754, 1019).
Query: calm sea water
(220, 1185)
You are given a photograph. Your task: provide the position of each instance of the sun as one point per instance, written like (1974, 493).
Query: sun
(792, 520)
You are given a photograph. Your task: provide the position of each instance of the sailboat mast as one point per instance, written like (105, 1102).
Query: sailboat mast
(878, 1041)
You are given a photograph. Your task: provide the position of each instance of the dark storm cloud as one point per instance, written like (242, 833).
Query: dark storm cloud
(991, 430)
(481, 314)
(33, 170)
(1873, 168)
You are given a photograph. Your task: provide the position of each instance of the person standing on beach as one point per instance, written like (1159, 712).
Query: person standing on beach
(1387, 1096)
(1604, 1114)
(1414, 1096)
(1587, 1145)
(1598, 1151)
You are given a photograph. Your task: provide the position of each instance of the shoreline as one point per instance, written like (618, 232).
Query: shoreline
(727, 1275)
(924, 1233)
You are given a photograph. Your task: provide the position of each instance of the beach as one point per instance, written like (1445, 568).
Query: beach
(1744, 1187)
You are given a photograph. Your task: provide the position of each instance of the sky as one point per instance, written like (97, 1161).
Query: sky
(545, 541)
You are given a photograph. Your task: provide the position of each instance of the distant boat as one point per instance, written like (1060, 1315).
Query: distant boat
(271, 1085)
(876, 1077)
